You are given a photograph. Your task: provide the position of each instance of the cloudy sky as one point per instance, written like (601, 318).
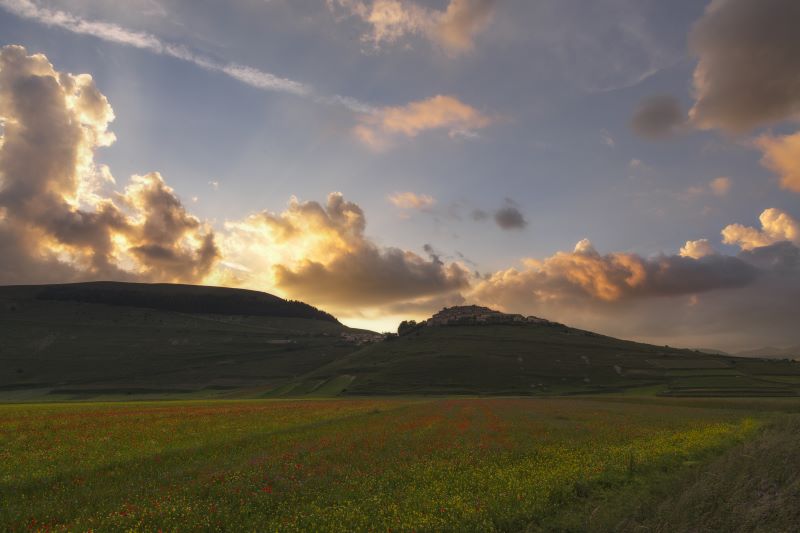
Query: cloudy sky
(627, 166)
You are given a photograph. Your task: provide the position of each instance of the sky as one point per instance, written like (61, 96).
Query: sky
(626, 166)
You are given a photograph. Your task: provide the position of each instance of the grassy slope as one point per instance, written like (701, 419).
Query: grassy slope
(66, 349)
(548, 359)
(752, 487)
(69, 347)
(194, 299)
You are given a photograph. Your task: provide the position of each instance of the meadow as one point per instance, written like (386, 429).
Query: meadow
(502, 464)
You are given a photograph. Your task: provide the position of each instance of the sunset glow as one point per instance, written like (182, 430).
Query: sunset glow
(383, 159)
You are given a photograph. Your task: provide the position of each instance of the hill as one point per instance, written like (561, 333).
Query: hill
(110, 339)
(193, 299)
(90, 339)
(473, 350)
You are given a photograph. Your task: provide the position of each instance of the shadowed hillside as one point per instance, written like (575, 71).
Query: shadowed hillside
(89, 339)
(182, 298)
(474, 350)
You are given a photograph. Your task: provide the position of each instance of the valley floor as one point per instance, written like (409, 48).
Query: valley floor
(504, 464)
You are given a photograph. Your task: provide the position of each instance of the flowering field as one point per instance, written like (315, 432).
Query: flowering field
(346, 465)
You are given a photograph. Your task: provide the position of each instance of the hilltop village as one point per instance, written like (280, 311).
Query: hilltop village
(449, 316)
(469, 314)
(475, 314)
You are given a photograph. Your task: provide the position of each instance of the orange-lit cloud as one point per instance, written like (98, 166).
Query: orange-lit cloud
(720, 186)
(697, 249)
(441, 112)
(56, 211)
(782, 156)
(584, 275)
(319, 253)
(454, 28)
(697, 298)
(462, 21)
(61, 219)
(776, 226)
(411, 200)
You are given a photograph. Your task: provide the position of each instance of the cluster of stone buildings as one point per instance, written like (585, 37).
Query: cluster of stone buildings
(475, 314)
(362, 337)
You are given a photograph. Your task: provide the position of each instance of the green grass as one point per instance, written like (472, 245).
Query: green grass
(750, 487)
(502, 464)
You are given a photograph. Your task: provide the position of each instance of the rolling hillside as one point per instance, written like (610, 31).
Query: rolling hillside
(87, 340)
(100, 340)
(193, 299)
(542, 358)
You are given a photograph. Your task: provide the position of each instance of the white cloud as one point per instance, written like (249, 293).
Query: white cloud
(607, 139)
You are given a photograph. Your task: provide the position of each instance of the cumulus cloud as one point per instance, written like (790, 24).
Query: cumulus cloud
(54, 209)
(697, 249)
(454, 28)
(411, 200)
(776, 226)
(370, 277)
(697, 298)
(378, 128)
(319, 253)
(658, 117)
(782, 156)
(574, 278)
(748, 76)
(63, 218)
(748, 70)
(167, 241)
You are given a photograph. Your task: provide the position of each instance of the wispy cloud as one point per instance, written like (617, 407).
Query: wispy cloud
(411, 200)
(115, 33)
(453, 28)
(377, 128)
